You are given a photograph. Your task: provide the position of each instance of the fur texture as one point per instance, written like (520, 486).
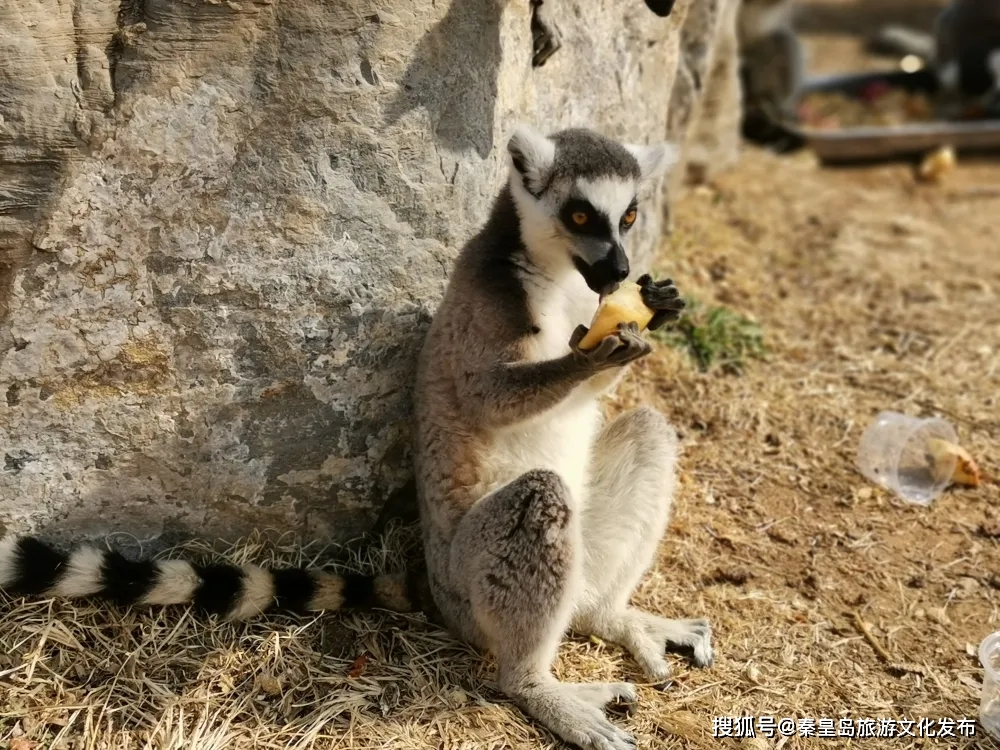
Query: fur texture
(537, 517)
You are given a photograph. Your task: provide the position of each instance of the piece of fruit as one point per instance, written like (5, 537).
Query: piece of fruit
(624, 306)
(937, 164)
(943, 455)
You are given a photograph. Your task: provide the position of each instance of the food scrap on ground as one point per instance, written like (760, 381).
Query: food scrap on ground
(937, 164)
(945, 457)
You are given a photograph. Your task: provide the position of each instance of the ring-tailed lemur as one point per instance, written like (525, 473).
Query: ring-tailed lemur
(536, 517)
(772, 68)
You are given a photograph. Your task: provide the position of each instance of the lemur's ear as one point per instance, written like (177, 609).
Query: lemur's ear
(532, 156)
(653, 160)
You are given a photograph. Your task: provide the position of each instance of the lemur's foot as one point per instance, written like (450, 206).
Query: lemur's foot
(658, 633)
(606, 694)
(575, 712)
(647, 637)
(545, 37)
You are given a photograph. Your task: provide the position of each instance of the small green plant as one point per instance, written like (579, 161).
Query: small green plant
(715, 337)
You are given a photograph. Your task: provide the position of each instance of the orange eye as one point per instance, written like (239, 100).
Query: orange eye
(579, 218)
(629, 218)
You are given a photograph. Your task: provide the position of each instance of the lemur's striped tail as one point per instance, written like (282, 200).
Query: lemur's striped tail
(29, 567)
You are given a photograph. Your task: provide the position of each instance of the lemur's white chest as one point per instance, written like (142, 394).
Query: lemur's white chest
(559, 439)
(556, 310)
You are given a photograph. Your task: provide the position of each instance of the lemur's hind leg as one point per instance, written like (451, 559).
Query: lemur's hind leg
(545, 37)
(516, 553)
(628, 507)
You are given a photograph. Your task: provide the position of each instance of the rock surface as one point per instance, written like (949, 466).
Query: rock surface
(224, 226)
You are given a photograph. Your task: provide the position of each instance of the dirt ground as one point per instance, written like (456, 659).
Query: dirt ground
(829, 598)
(873, 293)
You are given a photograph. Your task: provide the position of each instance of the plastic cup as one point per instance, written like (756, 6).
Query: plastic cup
(894, 454)
(989, 700)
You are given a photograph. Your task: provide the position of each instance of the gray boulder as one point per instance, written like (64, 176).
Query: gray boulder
(225, 225)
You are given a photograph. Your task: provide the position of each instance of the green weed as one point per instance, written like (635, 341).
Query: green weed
(715, 336)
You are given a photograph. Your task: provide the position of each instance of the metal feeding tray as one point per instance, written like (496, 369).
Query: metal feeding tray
(872, 143)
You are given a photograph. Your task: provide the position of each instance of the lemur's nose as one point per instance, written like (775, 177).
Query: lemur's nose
(619, 262)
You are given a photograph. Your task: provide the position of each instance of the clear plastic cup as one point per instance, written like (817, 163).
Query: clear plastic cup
(894, 453)
(989, 701)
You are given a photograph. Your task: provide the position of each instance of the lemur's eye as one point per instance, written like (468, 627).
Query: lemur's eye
(579, 218)
(629, 218)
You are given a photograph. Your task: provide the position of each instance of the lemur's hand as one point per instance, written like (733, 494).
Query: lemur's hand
(663, 298)
(617, 350)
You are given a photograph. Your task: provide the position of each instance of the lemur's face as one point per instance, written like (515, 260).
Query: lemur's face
(576, 194)
(596, 215)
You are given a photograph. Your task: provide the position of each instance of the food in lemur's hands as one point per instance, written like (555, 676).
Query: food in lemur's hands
(629, 305)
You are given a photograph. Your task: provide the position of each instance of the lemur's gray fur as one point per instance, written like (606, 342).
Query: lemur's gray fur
(536, 517)
(772, 68)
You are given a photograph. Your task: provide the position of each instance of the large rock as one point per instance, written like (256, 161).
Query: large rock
(224, 227)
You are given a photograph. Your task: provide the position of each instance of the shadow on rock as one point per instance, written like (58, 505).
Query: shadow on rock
(453, 76)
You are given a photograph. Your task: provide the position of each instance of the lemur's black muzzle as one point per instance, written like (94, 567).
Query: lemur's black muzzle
(604, 275)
